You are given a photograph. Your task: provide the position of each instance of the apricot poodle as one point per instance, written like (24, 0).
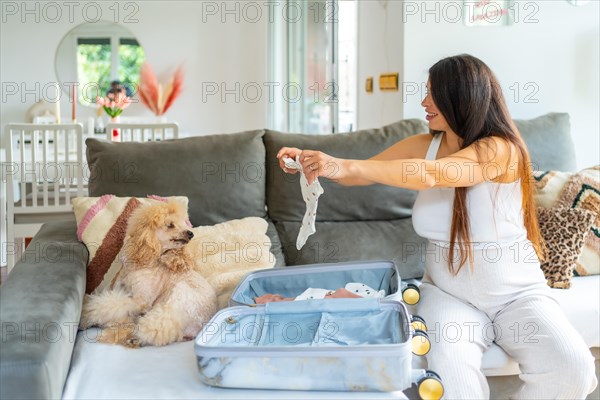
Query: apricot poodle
(157, 297)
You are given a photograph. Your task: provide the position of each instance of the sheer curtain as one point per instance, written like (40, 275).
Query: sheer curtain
(313, 67)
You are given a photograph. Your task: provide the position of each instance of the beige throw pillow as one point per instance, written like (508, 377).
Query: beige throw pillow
(549, 186)
(101, 225)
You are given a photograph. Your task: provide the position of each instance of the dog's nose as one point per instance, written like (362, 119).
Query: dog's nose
(190, 234)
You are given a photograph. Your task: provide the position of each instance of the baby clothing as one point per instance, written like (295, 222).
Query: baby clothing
(312, 293)
(359, 289)
(364, 291)
(310, 194)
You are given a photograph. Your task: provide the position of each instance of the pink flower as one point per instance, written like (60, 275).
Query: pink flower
(123, 102)
(119, 98)
(114, 105)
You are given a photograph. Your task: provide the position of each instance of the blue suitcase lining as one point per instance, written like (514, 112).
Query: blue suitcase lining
(384, 277)
(332, 322)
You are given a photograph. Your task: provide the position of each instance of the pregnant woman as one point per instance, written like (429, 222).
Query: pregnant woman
(475, 206)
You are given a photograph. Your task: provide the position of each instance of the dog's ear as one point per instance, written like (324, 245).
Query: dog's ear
(175, 207)
(141, 244)
(157, 218)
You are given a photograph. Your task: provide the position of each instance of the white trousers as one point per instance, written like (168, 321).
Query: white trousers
(505, 299)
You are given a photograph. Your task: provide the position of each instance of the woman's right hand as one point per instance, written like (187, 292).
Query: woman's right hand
(290, 152)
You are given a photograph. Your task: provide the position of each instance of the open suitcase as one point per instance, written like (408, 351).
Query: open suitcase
(349, 344)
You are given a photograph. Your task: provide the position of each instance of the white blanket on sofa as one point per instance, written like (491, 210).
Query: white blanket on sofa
(101, 371)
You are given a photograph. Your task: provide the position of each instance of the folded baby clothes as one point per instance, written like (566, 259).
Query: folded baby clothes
(357, 288)
(310, 194)
(363, 290)
(312, 293)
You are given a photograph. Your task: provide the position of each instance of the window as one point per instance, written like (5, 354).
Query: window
(347, 69)
(315, 59)
(131, 58)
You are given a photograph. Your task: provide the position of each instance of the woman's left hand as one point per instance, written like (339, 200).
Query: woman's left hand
(316, 163)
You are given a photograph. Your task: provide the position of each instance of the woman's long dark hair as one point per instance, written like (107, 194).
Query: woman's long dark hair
(468, 95)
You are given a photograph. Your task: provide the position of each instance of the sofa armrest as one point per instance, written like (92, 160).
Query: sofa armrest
(40, 306)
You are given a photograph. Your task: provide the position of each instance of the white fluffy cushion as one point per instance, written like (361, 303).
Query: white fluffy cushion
(226, 252)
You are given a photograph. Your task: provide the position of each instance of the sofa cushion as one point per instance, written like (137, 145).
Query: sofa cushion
(101, 226)
(169, 372)
(339, 203)
(393, 240)
(564, 231)
(574, 190)
(276, 246)
(224, 253)
(222, 175)
(549, 186)
(549, 142)
(582, 191)
(580, 305)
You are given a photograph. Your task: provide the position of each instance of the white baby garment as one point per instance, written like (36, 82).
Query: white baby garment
(310, 194)
(357, 288)
(363, 290)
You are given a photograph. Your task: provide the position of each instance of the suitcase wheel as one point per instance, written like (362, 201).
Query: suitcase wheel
(418, 323)
(411, 294)
(420, 343)
(430, 387)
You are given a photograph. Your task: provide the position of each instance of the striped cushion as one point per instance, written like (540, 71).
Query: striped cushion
(574, 190)
(583, 191)
(101, 226)
(548, 187)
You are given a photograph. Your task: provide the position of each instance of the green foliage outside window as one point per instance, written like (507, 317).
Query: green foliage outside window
(93, 64)
(131, 58)
(94, 69)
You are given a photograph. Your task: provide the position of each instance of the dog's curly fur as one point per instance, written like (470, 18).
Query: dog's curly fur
(157, 297)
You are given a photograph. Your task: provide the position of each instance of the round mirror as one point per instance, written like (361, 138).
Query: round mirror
(99, 58)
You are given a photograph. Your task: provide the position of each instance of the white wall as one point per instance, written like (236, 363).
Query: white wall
(558, 55)
(380, 50)
(171, 32)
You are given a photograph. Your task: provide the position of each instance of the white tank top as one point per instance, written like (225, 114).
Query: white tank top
(495, 211)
